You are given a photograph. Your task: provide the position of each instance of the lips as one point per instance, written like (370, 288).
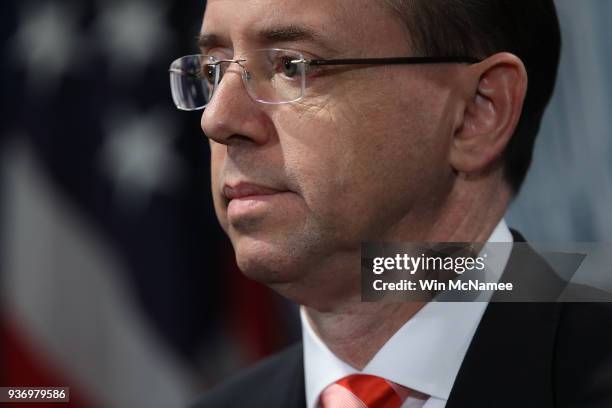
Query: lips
(245, 190)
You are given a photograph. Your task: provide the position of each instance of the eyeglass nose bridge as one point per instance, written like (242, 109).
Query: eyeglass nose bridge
(246, 75)
(240, 62)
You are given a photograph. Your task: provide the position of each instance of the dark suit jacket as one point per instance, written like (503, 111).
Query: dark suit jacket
(522, 355)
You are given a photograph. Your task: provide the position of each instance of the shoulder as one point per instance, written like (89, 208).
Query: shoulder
(271, 383)
(583, 354)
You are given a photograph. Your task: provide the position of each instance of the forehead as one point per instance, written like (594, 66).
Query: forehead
(346, 23)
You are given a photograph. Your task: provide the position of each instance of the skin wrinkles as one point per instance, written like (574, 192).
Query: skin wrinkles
(347, 176)
(381, 153)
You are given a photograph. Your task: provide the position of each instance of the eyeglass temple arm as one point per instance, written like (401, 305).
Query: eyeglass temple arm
(395, 60)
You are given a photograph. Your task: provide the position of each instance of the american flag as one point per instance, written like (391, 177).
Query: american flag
(116, 279)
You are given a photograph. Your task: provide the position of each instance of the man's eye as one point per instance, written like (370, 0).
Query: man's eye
(287, 67)
(208, 73)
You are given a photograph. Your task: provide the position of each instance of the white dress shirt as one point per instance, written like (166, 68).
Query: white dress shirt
(425, 354)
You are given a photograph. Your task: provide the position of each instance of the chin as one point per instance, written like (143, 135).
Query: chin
(268, 262)
(302, 273)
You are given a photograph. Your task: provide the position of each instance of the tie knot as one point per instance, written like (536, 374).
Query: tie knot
(364, 391)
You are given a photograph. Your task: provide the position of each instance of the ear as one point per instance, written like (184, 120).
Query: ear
(493, 94)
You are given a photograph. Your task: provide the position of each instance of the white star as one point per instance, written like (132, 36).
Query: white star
(138, 157)
(132, 33)
(46, 43)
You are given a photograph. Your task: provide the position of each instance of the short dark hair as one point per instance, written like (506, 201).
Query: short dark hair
(528, 29)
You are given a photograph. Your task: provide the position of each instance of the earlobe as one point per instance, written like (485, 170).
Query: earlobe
(491, 113)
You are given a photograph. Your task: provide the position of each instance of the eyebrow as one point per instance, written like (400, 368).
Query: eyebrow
(288, 33)
(207, 40)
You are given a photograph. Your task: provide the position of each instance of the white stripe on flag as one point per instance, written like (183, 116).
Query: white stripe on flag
(66, 287)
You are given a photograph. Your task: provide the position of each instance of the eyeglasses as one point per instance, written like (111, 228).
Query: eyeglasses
(270, 76)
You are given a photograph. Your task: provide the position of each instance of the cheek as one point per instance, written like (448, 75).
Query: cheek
(359, 165)
(337, 165)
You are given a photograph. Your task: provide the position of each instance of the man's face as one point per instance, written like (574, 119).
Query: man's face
(363, 156)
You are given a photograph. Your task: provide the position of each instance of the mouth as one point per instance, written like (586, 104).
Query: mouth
(248, 199)
(242, 190)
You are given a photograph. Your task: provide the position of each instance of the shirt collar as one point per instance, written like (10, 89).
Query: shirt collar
(425, 354)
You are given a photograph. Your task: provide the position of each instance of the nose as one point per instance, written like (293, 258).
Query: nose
(232, 116)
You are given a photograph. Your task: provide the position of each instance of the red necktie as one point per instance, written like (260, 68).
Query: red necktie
(364, 391)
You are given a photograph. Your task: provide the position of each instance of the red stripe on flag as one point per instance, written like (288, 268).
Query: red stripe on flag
(255, 317)
(24, 366)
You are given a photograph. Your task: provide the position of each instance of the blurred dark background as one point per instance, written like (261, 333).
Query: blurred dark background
(115, 278)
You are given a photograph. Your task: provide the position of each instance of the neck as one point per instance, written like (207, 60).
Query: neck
(355, 331)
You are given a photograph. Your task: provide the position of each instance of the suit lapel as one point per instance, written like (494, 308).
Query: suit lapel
(510, 360)
(286, 386)
(296, 392)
